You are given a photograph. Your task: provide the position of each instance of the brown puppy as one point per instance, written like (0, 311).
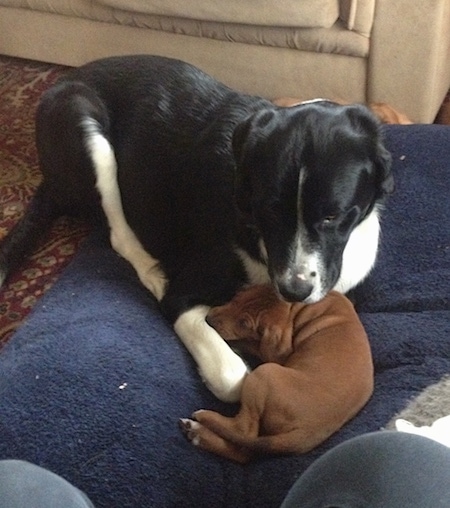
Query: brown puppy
(384, 112)
(318, 375)
(387, 114)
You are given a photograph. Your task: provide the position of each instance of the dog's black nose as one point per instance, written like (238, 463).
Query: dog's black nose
(295, 290)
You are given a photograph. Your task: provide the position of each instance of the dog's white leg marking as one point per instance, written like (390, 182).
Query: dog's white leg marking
(222, 370)
(123, 239)
(360, 253)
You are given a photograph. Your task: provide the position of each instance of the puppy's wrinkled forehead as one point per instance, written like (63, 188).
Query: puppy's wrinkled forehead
(256, 298)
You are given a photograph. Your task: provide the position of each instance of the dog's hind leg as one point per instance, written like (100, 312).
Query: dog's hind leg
(222, 370)
(123, 239)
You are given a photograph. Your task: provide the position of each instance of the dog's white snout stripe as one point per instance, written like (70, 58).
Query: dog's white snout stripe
(305, 276)
(306, 269)
(306, 272)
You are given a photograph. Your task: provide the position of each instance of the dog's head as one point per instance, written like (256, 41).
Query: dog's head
(310, 178)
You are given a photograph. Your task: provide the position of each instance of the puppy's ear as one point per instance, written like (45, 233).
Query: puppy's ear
(276, 343)
(385, 177)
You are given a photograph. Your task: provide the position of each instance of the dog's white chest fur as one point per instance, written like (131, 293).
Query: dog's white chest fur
(257, 272)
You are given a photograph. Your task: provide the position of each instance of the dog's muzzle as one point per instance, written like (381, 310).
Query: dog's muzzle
(296, 286)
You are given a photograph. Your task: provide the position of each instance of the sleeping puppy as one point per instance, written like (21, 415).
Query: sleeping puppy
(205, 189)
(318, 374)
(385, 112)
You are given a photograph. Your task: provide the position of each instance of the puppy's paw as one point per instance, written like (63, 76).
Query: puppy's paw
(190, 429)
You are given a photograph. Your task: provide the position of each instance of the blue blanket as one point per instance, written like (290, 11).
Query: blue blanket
(93, 384)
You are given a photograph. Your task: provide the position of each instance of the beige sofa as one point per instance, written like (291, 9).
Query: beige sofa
(395, 51)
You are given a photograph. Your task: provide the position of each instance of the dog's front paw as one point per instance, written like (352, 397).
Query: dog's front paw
(222, 370)
(226, 382)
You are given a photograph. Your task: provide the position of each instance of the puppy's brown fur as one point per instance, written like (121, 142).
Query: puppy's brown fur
(385, 112)
(318, 374)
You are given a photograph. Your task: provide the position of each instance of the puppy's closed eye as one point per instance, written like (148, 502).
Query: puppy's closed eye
(245, 323)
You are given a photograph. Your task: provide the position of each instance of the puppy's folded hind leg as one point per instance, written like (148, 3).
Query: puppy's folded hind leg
(207, 440)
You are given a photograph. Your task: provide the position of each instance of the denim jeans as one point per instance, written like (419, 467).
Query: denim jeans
(386, 469)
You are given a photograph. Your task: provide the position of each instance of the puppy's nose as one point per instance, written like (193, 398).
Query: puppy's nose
(212, 321)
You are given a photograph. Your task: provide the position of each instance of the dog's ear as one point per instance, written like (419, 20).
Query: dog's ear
(384, 173)
(247, 133)
(246, 138)
(365, 121)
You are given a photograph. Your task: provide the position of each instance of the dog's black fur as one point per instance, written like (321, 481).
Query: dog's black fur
(204, 170)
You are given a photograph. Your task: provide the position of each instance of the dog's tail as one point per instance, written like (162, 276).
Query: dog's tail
(25, 235)
(68, 185)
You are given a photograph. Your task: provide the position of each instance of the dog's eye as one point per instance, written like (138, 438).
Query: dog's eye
(329, 219)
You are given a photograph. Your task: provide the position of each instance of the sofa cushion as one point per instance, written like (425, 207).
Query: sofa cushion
(358, 15)
(300, 13)
(335, 40)
(412, 272)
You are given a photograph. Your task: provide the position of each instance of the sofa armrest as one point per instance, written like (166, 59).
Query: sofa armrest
(409, 58)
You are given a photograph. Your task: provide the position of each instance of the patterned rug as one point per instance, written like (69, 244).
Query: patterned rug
(21, 85)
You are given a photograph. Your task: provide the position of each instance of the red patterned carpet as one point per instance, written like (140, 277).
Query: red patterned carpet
(21, 85)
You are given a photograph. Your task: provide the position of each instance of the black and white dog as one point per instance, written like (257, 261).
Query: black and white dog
(205, 189)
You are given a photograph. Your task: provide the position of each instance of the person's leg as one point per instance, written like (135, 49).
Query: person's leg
(377, 470)
(25, 485)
